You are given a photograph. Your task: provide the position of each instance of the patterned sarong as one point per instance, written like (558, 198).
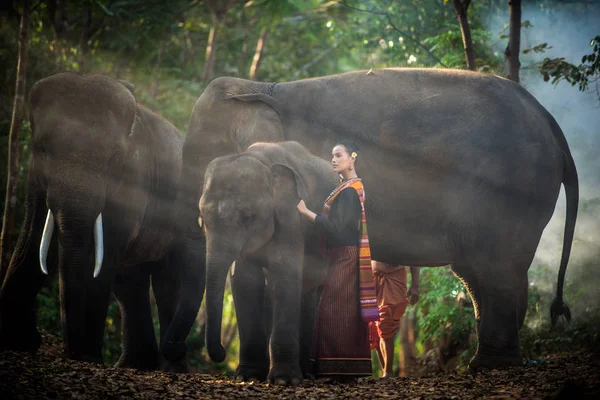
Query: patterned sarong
(341, 340)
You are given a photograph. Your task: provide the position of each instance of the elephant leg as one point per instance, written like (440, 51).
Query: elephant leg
(165, 285)
(248, 287)
(523, 301)
(470, 279)
(24, 279)
(498, 333)
(96, 308)
(285, 284)
(310, 302)
(139, 343)
(190, 274)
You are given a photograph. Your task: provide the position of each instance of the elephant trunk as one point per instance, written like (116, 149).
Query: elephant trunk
(74, 267)
(217, 266)
(98, 243)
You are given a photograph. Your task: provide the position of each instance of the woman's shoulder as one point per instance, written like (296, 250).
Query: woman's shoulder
(348, 193)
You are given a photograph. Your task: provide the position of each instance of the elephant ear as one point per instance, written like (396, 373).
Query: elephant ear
(262, 97)
(130, 86)
(288, 190)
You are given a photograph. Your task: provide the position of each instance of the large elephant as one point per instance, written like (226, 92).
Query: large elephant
(100, 206)
(461, 168)
(248, 207)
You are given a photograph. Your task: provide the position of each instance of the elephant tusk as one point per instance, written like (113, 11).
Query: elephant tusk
(46, 239)
(99, 245)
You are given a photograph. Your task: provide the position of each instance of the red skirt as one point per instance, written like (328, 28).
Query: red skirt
(341, 340)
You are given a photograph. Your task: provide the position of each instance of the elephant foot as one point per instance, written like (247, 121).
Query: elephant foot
(284, 375)
(141, 362)
(484, 363)
(251, 372)
(174, 352)
(178, 367)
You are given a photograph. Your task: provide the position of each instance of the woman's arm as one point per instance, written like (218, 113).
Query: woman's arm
(345, 214)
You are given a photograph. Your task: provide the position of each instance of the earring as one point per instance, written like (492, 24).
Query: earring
(351, 168)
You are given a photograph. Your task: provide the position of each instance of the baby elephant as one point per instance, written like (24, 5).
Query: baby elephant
(248, 209)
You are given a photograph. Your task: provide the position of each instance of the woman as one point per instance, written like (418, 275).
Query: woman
(341, 342)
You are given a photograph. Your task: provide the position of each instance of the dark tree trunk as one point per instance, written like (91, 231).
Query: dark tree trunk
(85, 65)
(57, 16)
(154, 84)
(13, 144)
(514, 41)
(258, 53)
(189, 51)
(461, 8)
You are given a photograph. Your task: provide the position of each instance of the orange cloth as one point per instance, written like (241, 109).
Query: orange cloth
(391, 290)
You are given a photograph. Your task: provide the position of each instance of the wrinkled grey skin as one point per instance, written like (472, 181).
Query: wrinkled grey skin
(95, 150)
(248, 207)
(460, 168)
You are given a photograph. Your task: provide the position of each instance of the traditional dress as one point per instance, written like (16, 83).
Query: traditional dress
(391, 299)
(348, 302)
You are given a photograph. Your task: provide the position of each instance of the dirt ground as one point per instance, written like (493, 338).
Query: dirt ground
(48, 375)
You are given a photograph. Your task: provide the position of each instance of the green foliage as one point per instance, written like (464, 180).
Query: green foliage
(48, 309)
(581, 334)
(445, 314)
(439, 311)
(588, 71)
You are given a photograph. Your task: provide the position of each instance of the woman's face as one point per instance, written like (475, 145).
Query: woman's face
(341, 160)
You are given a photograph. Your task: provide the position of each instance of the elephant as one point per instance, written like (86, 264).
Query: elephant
(462, 169)
(248, 210)
(100, 205)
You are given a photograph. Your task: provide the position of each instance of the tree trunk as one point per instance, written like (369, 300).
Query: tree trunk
(85, 63)
(407, 356)
(57, 16)
(209, 60)
(154, 84)
(514, 41)
(10, 201)
(461, 8)
(244, 55)
(260, 46)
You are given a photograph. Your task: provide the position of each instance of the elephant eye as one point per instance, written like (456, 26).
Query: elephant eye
(247, 219)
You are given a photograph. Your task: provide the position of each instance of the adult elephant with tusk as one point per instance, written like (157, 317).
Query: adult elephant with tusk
(100, 206)
(461, 168)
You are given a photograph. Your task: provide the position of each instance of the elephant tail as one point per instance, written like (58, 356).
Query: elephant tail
(571, 183)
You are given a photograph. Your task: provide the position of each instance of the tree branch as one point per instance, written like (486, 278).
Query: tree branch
(389, 20)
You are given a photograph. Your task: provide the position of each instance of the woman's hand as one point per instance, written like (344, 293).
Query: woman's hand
(302, 207)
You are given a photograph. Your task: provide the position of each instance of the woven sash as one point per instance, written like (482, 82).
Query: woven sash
(368, 298)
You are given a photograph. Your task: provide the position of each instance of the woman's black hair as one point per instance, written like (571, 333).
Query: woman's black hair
(350, 147)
